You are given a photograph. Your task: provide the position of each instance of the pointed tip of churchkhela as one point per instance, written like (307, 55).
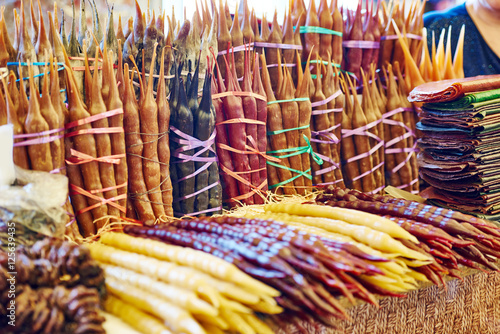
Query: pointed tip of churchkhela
(34, 23)
(3, 29)
(73, 47)
(83, 23)
(42, 44)
(34, 106)
(87, 79)
(110, 39)
(138, 23)
(72, 91)
(149, 90)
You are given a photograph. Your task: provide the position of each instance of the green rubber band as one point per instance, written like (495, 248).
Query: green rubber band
(278, 132)
(318, 30)
(314, 76)
(295, 151)
(305, 174)
(299, 150)
(350, 73)
(298, 99)
(323, 61)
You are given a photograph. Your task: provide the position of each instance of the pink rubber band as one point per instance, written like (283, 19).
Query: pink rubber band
(277, 45)
(36, 141)
(38, 134)
(361, 44)
(278, 65)
(239, 93)
(237, 49)
(94, 118)
(392, 37)
(328, 99)
(57, 170)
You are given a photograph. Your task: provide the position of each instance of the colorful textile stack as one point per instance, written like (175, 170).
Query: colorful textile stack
(460, 157)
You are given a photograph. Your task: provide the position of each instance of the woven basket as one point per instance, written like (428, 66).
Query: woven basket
(471, 306)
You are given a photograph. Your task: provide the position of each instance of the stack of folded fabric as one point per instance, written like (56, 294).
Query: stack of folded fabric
(460, 144)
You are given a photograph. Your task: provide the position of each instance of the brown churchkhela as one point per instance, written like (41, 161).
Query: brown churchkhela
(163, 141)
(132, 127)
(96, 106)
(275, 141)
(290, 116)
(305, 110)
(84, 143)
(40, 155)
(149, 128)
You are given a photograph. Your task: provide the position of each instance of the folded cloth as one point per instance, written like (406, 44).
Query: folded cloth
(468, 101)
(475, 110)
(478, 204)
(448, 90)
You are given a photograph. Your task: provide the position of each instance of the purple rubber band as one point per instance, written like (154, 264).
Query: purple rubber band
(328, 99)
(326, 111)
(392, 37)
(199, 212)
(277, 45)
(399, 138)
(408, 185)
(368, 172)
(401, 150)
(376, 190)
(366, 154)
(190, 143)
(330, 183)
(237, 49)
(327, 169)
(361, 44)
(326, 133)
(40, 140)
(398, 167)
(282, 65)
(196, 192)
(361, 131)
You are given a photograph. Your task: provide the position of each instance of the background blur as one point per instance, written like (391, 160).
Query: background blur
(180, 8)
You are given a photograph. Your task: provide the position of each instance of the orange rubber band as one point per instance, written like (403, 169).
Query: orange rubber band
(239, 93)
(101, 201)
(78, 158)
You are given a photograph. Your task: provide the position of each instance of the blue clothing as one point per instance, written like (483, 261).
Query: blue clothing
(479, 59)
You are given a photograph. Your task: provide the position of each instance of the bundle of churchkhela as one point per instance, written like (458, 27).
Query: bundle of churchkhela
(289, 134)
(452, 237)
(241, 115)
(57, 287)
(394, 17)
(362, 140)
(459, 154)
(345, 243)
(193, 169)
(161, 288)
